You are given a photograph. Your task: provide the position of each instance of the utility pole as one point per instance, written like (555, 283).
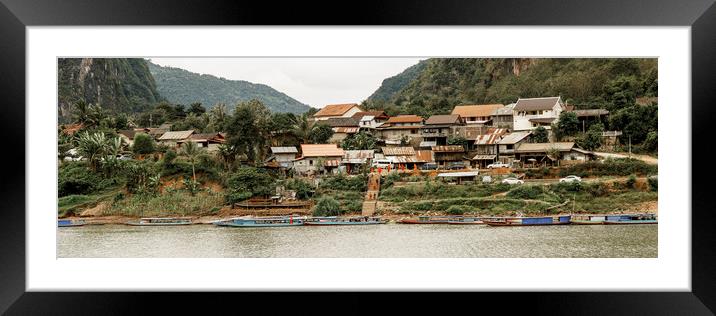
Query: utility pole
(150, 119)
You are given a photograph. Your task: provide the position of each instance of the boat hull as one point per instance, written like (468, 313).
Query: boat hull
(631, 222)
(156, 224)
(578, 222)
(467, 223)
(501, 224)
(343, 223)
(70, 225)
(415, 221)
(258, 225)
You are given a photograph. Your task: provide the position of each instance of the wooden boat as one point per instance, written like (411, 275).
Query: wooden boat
(334, 220)
(269, 221)
(631, 219)
(70, 222)
(430, 219)
(531, 221)
(588, 219)
(466, 221)
(161, 221)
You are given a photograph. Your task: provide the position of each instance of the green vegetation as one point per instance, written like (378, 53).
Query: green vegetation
(248, 182)
(170, 203)
(327, 206)
(392, 85)
(126, 84)
(185, 87)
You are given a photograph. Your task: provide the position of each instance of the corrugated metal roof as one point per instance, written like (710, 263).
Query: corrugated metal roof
(493, 135)
(346, 130)
(176, 135)
(405, 159)
(335, 109)
(484, 157)
(424, 155)
(543, 147)
(459, 174)
(476, 110)
(506, 110)
(536, 104)
(284, 150)
(321, 150)
(398, 151)
(448, 149)
(513, 138)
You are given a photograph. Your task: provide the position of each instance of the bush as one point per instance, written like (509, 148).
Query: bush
(461, 209)
(598, 189)
(248, 182)
(304, 190)
(630, 183)
(143, 144)
(610, 167)
(77, 178)
(526, 192)
(327, 206)
(391, 178)
(344, 183)
(653, 183)
(567, 187)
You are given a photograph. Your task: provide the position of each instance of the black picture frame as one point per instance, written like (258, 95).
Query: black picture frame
(15, 15)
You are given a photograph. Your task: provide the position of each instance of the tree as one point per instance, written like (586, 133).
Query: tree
(651, 142)
(248, 129)
(302, 128)
(143, 144)
(593, 138)
(248, 182)
(93, 147)
(191, 151)
(196, 108)
(568, 124)
(540, 135)
(459, 140)
(320, 133)
(359, 141)
(621, 92)
(327, 206)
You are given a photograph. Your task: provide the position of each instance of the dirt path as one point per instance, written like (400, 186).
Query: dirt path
(645, 158)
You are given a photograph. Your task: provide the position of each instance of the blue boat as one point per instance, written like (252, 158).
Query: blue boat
(271, 221)
(335, 220)
(161, 221)
(631, 219)
(70, 222)
(531, 221)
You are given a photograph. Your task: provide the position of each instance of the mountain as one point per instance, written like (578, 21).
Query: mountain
(185, 87)
(117, 84)
(391, 86)
(445, 82)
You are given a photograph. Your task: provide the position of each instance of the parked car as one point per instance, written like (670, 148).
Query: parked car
(512, 180)
(571, 178)
(429, 166)
(455, 165)
(382, 163)
(498, 165)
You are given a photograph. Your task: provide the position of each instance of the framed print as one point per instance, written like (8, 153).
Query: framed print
(485, 148)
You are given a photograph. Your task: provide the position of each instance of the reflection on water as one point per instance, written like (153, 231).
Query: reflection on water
(377, 241)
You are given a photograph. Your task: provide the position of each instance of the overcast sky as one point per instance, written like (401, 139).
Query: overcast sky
(313, 81)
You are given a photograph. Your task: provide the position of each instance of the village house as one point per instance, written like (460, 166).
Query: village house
(503, 117)
(550, 154)
(342, 128)
(208, 141)
(588, 117)
(438, 128)
(316, 158)
(403, 157)
(175, 138)
(127, 135)
(371, 119)
(400, 128)
(281, 157)
(446, 154)
(531, 113)
(477, 114)
(486, 149)
(336, 110)
(507, 144)
(355, 160)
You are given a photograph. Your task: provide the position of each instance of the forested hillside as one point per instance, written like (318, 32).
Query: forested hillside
(120, 85)
(393, 85)
(184, 87)
(443, 83)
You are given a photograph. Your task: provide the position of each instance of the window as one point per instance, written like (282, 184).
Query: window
(310, 162)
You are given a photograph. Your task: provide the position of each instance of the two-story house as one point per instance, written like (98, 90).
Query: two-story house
(476, 114)
(438, 128)
(335, 111)
(400, 129)
(531, 113)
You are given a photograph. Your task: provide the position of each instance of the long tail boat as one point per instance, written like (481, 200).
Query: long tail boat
(70, 222)
(334, 220)
(531, 221)
(269, 221)
(631, 219)
(430, 219)
(161, 221)
(588, 219)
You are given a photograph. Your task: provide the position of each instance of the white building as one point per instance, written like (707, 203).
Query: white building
(530, 113)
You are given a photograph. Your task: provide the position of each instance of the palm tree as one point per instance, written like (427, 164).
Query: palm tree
(302, 129)
(192, 152)
(80, 112)
(93, 147)
(218, 116)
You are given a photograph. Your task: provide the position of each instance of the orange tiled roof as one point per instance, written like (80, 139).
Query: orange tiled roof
(476, 110)
(335, 109)
(405, 119)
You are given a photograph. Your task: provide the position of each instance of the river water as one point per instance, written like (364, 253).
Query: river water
(374, 241)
